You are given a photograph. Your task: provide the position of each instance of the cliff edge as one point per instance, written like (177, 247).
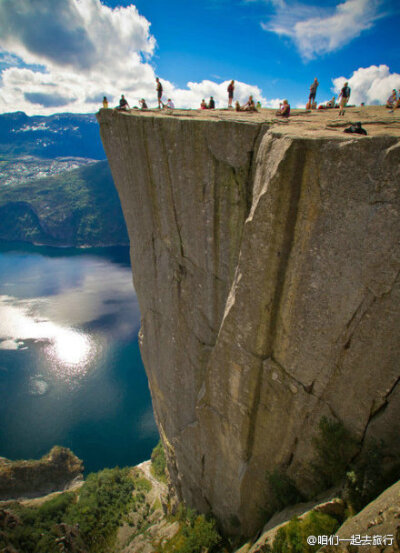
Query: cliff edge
(56, 471)
(266, 262)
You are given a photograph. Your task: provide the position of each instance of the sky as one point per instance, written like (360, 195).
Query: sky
(65, 55)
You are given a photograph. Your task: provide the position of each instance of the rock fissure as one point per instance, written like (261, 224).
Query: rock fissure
(171, 192)
(352, 325)
(307, 388)
(376, 411)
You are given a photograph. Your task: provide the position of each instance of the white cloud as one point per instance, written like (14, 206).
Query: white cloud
(371, 85)
(317, 31)
(83, 35)
(83, 49)
(195, 92)
(65, 55)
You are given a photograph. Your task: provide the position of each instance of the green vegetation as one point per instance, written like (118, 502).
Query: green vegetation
(197, 534)
(334, 446)
(143, 485)
(283, 490)
(104, 497)
(367, 478)
(75, 208)
(158, 463)
(86, 521)
(364, 478)
(29, 477)
(36, 529)
(292, 538)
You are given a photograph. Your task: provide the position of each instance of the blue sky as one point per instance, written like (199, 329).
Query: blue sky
(63, 55)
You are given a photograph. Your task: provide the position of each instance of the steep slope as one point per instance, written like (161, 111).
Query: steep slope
(266, 262)
(76, 208)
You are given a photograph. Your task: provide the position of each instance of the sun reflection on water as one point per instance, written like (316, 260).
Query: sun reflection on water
(71, 352)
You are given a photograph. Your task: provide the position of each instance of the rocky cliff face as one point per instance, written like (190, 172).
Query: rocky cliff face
(266, 262)
(55, 471)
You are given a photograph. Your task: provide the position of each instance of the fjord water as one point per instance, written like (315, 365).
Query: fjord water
(70, 368)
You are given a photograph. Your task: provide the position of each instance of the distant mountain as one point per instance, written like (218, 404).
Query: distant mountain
(75, 208)
(59, 135)
(20, 169)
(53, 189)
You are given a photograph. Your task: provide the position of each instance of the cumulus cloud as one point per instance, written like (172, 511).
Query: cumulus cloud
(317, 31)
(47, 100)
(371, 85)
(77, 34)
(68, 54)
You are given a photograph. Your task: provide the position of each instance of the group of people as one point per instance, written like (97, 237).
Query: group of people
(248, 106)
(343, 98)
(392, 103)
(210, 105)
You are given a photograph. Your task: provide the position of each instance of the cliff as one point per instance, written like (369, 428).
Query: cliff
(54, 472)
(266, 262)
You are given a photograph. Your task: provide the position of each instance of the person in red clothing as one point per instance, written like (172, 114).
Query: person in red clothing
(284, 110)
(230, 90)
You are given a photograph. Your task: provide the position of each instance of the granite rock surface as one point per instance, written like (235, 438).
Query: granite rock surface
(266, 262)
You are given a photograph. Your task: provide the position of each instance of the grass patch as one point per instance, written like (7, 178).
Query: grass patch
(367, 478)
(292, 538)
(158, 463)
(197, 534)
(87, 520)
(142, 484)
(334, 446)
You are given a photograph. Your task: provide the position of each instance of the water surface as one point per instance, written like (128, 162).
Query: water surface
(70, 368)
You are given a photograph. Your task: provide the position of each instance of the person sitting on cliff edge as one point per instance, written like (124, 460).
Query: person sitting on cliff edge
(249, 105)
(123, 104)
(284, 109)
(392, 100)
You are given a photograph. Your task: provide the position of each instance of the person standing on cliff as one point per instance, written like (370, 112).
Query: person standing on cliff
(344, 97)
(159, 89)
(313, 92)
(230, 90)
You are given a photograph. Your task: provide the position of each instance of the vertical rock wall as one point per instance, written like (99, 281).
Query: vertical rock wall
(267, 272)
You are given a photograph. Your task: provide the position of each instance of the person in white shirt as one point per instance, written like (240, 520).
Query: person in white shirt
(170, 104)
